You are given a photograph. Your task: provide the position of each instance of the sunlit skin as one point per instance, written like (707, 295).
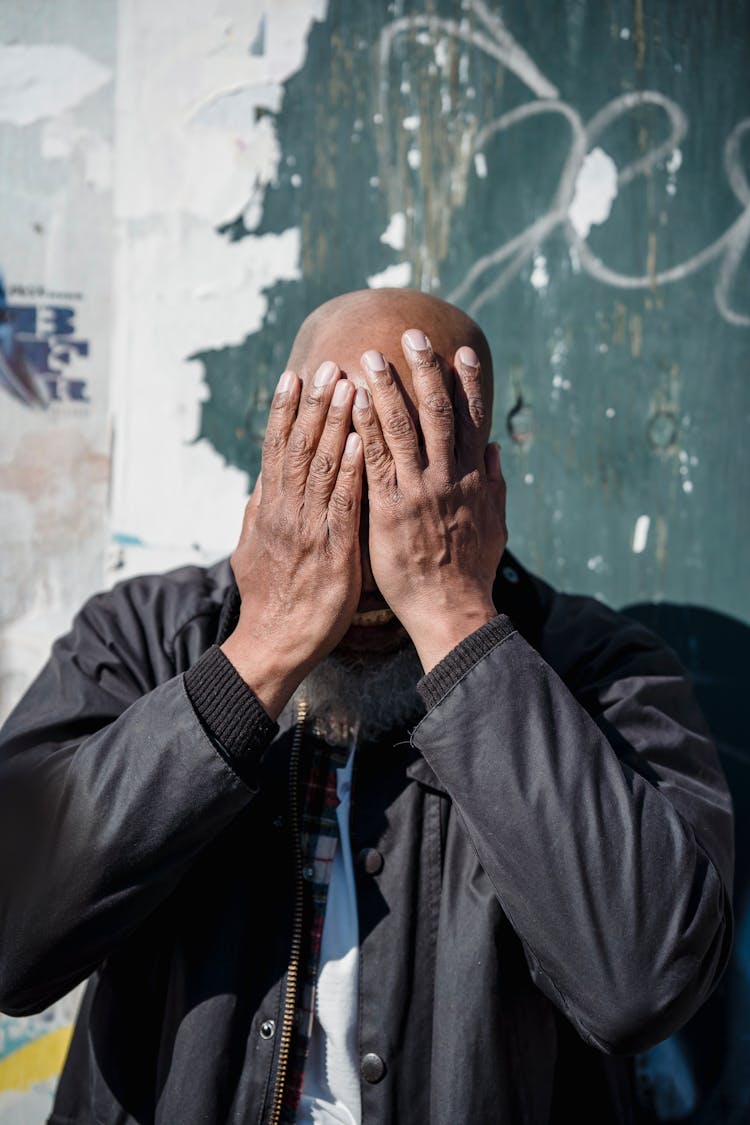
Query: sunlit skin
(344, 330)
(406, 513)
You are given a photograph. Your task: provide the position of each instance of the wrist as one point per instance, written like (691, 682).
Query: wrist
(437, 634)
(273, 681)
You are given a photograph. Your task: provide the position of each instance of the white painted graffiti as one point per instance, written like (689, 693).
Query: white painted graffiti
(493, 271)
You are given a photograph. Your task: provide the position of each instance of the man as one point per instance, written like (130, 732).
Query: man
(375, 826)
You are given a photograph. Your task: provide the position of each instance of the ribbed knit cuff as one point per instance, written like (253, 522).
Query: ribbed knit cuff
(233, 716)
(439, 680)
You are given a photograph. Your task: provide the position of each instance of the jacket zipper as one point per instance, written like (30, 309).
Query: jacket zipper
(292, 975)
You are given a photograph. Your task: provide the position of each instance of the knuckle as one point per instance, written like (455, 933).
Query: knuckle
(281, 405)
(312, 399)
(397, 424)
(322, 464)
(376, 456)
(383, 379)
(476, 408)
(439, 407)
(470, 376)
(299, 442)
(342, 503)
(425, 361)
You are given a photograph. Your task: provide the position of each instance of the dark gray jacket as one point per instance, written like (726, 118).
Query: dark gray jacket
(554, 895)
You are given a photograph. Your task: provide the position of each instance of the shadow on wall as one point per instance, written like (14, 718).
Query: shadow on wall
(701, 1076)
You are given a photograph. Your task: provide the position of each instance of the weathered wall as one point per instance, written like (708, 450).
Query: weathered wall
(181, 182)
(128, 134)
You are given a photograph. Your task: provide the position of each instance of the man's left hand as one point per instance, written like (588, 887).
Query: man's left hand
(436, 506)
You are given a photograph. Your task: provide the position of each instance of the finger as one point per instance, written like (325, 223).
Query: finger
(396, 424)
(248, 521)
(470, 411)
(280, 421)
(326, 460)
(492, 462)
(345, 503)
(253, 504)
(433, 400)
(379, 466)
(306, 431)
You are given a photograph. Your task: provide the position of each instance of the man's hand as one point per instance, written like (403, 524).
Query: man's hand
(436, 508)
(298, 565)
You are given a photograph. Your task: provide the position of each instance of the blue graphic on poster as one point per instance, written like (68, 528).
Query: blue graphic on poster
(39, 346)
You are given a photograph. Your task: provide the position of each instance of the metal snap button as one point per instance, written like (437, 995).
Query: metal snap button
(371, 860)
(267, 1029)
(372, 1067)
(510, 575)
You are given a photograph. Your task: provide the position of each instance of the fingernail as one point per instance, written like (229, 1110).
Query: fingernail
(416, 340)
(468, 357)
(324, 374)
(340, 392)
(361, 399)
(352, 445)
(374, 360)
(286, 382)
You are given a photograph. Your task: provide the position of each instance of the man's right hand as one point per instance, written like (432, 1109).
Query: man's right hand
(297, 564)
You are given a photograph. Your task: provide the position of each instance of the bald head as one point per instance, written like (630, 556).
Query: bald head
(345, 327)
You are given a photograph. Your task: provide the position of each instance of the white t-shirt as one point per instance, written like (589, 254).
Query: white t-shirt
(330, 1091)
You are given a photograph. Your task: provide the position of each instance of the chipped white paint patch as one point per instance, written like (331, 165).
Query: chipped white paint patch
(675, 162)
(234, 109)
(640, 534)
(195, 107)
(480, 165)
(414, 158)
(395, 276)
(44, 80)
(539, 275)
(442, 53)
(395, 233)
(411, 124)
(595, 192)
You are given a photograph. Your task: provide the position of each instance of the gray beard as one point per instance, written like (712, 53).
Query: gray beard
(361, 696)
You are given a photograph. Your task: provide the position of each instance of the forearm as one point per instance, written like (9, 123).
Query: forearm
(624, 917)
(98, 830)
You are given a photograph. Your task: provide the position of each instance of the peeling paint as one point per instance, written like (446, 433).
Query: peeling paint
(595, 192)
(539, 275)
(396, 276)
(675, 162)
(395, 233)
(45, 80)
(640, 534)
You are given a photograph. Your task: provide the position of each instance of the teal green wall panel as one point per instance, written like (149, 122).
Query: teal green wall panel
(621, 361)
